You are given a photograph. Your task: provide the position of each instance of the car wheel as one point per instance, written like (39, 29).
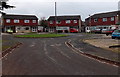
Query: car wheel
(113, 37)
(107, 34)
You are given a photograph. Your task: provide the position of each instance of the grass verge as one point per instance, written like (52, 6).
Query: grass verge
(40, 35)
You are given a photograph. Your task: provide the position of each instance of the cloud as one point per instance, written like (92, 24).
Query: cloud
(46, 9)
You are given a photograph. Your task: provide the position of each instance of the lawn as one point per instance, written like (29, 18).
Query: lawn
(40, 35)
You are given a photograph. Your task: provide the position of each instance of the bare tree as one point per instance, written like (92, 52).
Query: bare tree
(4, 4)
(43, 22)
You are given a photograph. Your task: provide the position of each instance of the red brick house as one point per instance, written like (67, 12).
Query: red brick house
(103, 20)
(64, 23)
(19, 23)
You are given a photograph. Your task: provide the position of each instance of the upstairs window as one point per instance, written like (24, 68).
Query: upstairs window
(51, 22)
(34, 21)
(96, 20)
(16, 21)
(68, 21)
(75, 21)
(7, 20)
(58, 22)
(26, 21)
(112, 18)
(104, 19)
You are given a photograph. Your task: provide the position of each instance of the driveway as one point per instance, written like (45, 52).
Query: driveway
(51, 56)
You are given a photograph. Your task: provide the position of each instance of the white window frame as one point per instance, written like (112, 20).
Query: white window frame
(34, 21)
(26, 21)
(95, 20)
(7, 20)
(104, 19)
(112, 19)
(51, 22)
(68, 21)
(58, 22)
(75, 21)
(16, 20)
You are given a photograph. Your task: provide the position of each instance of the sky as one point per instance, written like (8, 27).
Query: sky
(45, 8)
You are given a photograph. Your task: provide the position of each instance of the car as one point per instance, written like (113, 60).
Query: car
(97, 30)
(9, 31)
(116, 34)
(107, 31)
(73, 30)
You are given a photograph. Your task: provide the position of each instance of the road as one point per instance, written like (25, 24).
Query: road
(51, 56)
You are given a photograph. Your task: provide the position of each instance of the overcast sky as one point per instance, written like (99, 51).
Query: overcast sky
(45, 8)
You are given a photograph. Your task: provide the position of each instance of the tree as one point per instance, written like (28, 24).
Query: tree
(4, 4)
(43, 22)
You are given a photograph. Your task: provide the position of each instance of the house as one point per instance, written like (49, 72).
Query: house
(19, 23)
(103, 20)
(64, 23)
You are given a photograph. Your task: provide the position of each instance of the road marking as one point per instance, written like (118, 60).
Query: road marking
(45, 46)
(33, 44)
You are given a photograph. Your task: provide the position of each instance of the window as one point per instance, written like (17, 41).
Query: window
(34, 21)
(27, 28)
(51, 22)
(112, 19)
(104, 19)
(95, 20)
(58, 22)
(8, 21)
(16, 21)
(75, 21)
(68, 21)
(26, 21)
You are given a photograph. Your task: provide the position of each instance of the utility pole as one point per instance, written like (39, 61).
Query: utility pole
(55, 17)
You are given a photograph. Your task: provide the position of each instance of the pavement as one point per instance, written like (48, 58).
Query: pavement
(93, 49)
(51, 56)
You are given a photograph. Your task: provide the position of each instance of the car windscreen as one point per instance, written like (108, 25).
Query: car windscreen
(117, 31)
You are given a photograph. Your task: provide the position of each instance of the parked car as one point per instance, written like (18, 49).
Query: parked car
(10, 31)
(73, 30)
(98, 30)
(116, 34)
(107, 31)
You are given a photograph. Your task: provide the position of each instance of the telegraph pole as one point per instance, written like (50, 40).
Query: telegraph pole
(55, 17)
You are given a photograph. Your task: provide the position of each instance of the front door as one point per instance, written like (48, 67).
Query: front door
(34, 29)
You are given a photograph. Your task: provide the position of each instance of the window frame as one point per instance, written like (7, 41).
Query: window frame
(104, 19)
(51, 22)
(8, 20)
(75, 21)
(34, 21)
(68, 21)
(112, 19)
(58, 22)
(25, 21)
(95, 20)
(16, 21)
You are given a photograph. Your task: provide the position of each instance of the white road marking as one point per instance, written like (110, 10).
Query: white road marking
(33, 44)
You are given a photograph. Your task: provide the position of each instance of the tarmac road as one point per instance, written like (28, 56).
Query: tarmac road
(51, 56)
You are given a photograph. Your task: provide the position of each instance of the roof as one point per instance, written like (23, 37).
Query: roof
(75, 17)
(8, 16)
(107, 14)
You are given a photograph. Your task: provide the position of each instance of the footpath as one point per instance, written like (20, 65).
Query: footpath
(98, 45)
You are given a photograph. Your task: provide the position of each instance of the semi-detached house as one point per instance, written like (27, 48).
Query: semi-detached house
(64, 23)
(103, 20)
(19, 23)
